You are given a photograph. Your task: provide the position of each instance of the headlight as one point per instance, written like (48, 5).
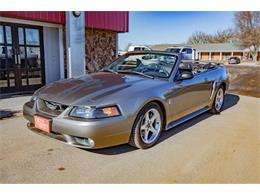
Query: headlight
(92, 113)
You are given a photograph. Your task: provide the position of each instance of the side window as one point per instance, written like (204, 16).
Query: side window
(189, 51)
(137, 49)
(184, 50)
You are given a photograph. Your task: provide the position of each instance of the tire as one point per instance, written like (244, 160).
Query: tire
(218, 100)
(147, 127)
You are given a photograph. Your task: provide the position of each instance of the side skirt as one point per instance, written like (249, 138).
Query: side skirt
(187, 117)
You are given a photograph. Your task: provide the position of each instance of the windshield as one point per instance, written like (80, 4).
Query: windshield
(153, 65)
(176, 50)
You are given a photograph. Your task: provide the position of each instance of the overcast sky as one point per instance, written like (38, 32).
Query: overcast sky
(171, 27)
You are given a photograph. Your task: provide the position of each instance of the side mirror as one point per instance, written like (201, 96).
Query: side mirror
(185, 75)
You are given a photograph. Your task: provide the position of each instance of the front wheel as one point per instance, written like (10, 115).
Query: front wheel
(147, 127)
(218, 101)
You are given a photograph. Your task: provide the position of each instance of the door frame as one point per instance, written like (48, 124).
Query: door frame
(15, 46)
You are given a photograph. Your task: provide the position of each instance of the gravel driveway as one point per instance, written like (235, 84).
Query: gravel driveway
(244, 80)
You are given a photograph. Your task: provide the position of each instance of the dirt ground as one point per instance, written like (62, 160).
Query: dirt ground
(244, 80)
(208, 149)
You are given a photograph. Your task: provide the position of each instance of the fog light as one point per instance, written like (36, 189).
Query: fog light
(85, 141)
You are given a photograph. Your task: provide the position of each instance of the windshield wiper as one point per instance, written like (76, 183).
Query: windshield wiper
(108, 70)
(135, 72)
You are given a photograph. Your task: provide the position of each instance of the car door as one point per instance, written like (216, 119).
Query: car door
(190, 95)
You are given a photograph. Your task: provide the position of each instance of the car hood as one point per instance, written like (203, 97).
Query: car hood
(89, 88)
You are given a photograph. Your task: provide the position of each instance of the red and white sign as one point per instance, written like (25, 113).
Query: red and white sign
(42, 123)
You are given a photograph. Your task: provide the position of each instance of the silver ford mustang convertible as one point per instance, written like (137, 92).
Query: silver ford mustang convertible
(132, 100)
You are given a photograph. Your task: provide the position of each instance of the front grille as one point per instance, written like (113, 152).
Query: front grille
(50, 108)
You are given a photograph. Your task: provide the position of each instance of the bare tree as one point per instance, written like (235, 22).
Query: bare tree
(221, 36)
(199, 37)
(224, 36)
(248, 31)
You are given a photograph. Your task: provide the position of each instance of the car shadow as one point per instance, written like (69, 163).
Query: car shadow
(230, 101)
(5, 113)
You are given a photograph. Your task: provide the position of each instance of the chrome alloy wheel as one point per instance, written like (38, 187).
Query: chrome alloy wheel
(219, 99)
(150, 126)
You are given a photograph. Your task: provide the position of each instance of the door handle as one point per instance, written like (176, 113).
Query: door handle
(19, 59)
(15, 59)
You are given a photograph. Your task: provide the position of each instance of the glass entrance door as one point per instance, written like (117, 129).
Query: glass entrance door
(21, 58)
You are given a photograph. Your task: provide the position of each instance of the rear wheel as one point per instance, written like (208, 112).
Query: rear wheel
(147, 127)
(218, 101)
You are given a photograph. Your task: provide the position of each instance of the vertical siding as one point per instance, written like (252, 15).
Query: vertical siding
(42, 16)
(204, 56)
(111, 20)
(107, 20)
(215, 55)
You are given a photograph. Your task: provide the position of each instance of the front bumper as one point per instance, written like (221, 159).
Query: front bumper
(99, 133)
(67, 139)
